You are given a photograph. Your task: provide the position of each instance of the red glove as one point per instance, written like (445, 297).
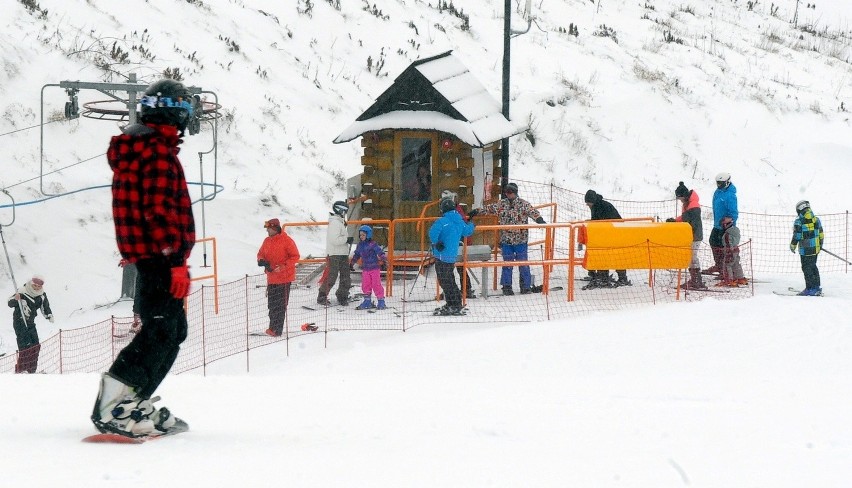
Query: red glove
(180, 282)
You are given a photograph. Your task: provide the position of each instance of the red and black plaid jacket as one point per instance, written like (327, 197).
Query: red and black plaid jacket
(151, 207)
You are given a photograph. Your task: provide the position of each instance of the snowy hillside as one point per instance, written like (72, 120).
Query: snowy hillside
(616, 107)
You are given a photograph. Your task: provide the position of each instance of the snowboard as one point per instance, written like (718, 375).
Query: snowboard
(110, 438)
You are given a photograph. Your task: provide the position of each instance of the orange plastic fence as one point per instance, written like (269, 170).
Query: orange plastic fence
(243, 310)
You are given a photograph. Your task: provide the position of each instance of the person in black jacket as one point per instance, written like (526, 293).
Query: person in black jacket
(603, 210)
(26, 302)
(691, 215)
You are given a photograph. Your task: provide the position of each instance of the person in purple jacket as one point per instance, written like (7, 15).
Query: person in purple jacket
(372, 257)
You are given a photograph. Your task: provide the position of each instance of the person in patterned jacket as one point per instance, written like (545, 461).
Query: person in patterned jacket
(155, 230)
(512, 210)
(808, 236)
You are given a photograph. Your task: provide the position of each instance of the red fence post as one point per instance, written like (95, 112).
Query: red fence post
(247, 325)
(112, 336)
(203, 335)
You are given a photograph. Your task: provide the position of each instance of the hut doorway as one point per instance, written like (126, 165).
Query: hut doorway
(414, 171)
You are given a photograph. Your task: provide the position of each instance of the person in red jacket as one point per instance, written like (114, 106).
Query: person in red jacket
(278, 255)
(155, 230)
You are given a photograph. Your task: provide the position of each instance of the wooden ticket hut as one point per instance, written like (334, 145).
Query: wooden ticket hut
(436, 128)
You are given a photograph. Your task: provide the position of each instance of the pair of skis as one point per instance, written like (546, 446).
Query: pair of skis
(792, 292)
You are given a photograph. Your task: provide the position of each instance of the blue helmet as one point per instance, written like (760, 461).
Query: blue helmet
(366, 229)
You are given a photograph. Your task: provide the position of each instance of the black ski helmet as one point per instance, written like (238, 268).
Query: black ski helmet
(802, 206)
(447, 205)
(166, 102)
(340, 208)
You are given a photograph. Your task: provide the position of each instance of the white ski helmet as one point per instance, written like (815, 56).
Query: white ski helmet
(723, 179)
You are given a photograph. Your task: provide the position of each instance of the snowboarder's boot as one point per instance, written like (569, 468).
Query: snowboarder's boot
(117, 409)
(163, 419)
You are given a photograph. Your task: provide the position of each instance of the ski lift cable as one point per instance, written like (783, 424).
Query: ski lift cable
(30, 127)
(56, 170)
(217, 189)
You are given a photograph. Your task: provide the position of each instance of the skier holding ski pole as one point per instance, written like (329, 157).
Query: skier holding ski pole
(808, 236)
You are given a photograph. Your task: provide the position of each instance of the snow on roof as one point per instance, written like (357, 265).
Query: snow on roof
(412, 120)
(484, 123)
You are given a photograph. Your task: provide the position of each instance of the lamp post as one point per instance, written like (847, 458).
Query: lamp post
(507, 46)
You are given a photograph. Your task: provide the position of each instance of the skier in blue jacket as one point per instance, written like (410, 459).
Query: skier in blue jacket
(445, 234)
(724, 205)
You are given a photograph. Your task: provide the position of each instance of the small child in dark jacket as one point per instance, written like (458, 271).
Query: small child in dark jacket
(372, 257)
(732, 271)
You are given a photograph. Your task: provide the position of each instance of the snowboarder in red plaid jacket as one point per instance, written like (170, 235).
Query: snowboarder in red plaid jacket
(155, 230)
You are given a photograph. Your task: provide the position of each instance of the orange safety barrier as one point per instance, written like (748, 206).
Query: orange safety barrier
(553, 257)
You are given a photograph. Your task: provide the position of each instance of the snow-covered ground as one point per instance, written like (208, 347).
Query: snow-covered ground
(710, 394)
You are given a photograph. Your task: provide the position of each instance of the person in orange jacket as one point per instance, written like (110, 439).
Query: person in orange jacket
(278, 255)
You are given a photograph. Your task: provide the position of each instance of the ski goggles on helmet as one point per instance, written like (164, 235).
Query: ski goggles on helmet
(155, 101)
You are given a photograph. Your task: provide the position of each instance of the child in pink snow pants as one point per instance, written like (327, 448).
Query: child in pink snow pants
(372, 257)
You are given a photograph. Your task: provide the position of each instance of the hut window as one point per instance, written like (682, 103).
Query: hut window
(416, 169)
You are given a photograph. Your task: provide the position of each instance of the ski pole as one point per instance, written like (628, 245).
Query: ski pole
(419, 270)
(835, 255)
(6, 251)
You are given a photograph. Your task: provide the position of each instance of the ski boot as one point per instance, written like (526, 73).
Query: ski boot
(811, 292)
(694, 282)
(507, 291)
(366, 304)
(623, 281)
(447, 310)
(380, 304)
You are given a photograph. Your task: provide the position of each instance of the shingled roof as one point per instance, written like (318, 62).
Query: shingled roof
(437, 93)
